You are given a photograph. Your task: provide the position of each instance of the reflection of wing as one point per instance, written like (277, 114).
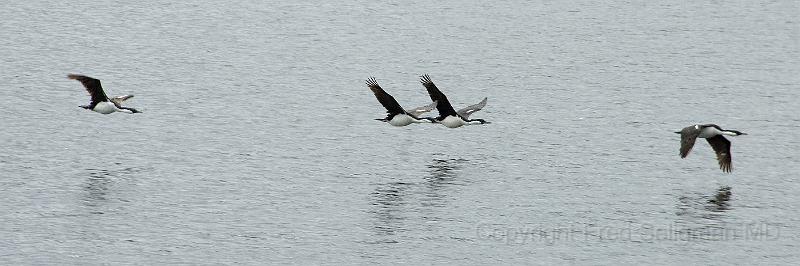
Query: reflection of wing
(471, 109)
(119, 99)
(722, 147)
(92, 86)
(423, 109)
(688, 136)
(388, 102)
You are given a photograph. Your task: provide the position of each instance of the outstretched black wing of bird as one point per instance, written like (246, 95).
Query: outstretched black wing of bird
(722, 147)
(93, 86)
(388, 102)
(442, 104)
(688, 137)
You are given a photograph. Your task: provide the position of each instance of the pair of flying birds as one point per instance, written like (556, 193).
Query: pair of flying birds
(397, 116)
(449, 117)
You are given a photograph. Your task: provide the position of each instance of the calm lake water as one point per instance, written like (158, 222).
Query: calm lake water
(257, 143)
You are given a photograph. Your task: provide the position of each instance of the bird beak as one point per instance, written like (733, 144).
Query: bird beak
(677, 132)
(744, 133)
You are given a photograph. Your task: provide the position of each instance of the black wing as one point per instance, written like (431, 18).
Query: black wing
(92, 86)
(388, 102)
(442, 104)
(722, 147)
(688, 136)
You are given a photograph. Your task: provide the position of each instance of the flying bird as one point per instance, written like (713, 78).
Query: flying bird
(448, 116)
(715, 137)
(396, 115)
(100, 102)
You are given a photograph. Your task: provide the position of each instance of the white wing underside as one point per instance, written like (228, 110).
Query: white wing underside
(119, 99)
(466, 111)
(423, 109)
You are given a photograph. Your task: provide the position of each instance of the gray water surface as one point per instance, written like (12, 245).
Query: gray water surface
(257, 143)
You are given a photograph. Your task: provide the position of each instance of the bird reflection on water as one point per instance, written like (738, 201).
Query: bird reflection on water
(443, 173)
(100, 184)
(96, 188)
(441, 169)
(389, 210)
(720, 201)
(403, 206)
(703, 216)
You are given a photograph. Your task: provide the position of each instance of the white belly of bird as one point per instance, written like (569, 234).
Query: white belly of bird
(401, 120)
(709, 132)
(105, 108)
(452, 122)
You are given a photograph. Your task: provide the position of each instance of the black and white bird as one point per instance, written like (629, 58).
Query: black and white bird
(100, 102)
(715, 137)
(396, 115)
(448, 116)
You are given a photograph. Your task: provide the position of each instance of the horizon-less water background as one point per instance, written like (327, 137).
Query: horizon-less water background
(257, 144)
